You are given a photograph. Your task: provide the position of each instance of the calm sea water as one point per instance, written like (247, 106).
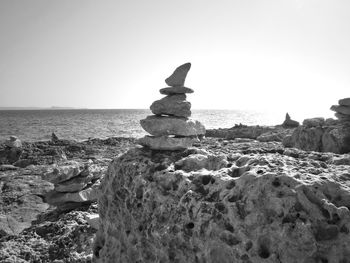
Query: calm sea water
(34, 125)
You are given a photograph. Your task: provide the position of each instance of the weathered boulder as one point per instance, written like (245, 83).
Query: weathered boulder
(307, 138)
(314, 122)
(179, 75)
(169, 125)
(284, 209)
(172, 105)
(336, 140)
(239, 131)
(167, 143)
(175, 90)
(314, 137)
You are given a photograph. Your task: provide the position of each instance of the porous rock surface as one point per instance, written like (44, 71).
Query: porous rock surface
(227, 201)
(321, 135)
(261, 133)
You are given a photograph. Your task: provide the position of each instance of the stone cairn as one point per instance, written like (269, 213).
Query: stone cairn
(342, 111)
(74, 184)
(170, 127)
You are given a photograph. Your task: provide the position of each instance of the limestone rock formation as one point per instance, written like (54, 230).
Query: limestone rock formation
(318, 134)
(289, 123)
(239, 131)
(287, 206)
(314, 122)
(175, 105)
(179, 76)
(171, 127)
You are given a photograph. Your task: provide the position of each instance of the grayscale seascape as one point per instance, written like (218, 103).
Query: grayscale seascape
(162, 131)
(36, 125)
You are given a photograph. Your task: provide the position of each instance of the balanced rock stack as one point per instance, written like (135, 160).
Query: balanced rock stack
(74, 184)
(342, 111)
(170, 127)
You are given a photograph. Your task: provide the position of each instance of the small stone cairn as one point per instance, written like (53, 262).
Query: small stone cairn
(342, 111)
(74, 184)
(170, 127)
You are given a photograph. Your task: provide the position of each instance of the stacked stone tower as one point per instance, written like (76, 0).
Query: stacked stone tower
(170, 126)
(342, 111)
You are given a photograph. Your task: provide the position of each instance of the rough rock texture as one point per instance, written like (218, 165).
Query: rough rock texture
(179, 75)
(239, 131)
(267, 205)
(316, 136)
(168, 125)
(172, 105)
(175, 90)
(54, 237)
(21, 199)
(277, 135)
(167, 143)
(31, 230)
(314, 122)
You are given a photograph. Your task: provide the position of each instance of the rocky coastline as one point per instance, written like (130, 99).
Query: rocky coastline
(39, 223)
(216, 173)
(247, 194)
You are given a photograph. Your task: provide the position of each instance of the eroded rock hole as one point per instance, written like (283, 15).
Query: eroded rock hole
(190, 225)
(206, 179)
(276, 182)
(264, 251)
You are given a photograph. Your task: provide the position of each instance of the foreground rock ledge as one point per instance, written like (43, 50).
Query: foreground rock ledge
(256, 207)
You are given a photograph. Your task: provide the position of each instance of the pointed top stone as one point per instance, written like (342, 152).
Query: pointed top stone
(177, 79)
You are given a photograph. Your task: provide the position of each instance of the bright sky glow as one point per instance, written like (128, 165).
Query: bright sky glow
(279, 55)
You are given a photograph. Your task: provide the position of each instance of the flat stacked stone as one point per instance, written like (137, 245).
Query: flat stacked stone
(73, 183)
(170, 126)
(342, 111)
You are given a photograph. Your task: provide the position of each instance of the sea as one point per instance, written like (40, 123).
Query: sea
(82, 124)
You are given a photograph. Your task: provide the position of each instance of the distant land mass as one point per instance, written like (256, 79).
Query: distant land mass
(41, 108)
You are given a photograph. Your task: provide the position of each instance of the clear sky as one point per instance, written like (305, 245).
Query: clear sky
(246, 54)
